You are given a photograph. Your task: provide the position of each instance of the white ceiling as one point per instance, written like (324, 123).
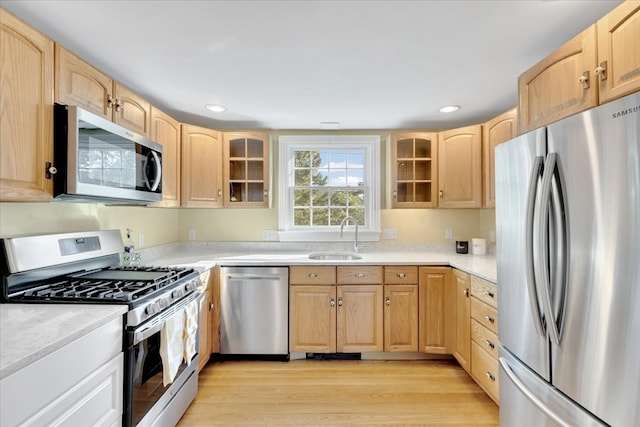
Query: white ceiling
(295, 64)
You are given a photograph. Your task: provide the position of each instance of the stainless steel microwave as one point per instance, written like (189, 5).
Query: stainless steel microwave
(99, 160)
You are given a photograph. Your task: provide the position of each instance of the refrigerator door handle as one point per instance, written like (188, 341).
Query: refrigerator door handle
(536, 171)
(530, 395)
(542, 266)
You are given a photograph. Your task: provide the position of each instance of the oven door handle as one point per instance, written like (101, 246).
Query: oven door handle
(144, 334)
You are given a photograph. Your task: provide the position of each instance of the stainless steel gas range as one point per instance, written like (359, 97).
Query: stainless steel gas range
(84, 268)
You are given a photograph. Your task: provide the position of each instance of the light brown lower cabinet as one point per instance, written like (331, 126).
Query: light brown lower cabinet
(462, 341)
(437, 310)
(484, 336)
(327, 317)
(209, 324)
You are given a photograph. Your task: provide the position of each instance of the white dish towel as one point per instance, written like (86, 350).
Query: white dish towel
(190, 330)
(171, 346)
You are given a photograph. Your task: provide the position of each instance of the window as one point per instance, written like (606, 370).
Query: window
(323, 180)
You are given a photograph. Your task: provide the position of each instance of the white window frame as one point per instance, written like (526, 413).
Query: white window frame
(286, 180)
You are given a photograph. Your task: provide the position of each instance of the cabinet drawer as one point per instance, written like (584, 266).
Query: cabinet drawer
(401, 274)
(484, 338)
(312, 275)
(484, 369)
(484, 314)
(485, 291)
(357, 275)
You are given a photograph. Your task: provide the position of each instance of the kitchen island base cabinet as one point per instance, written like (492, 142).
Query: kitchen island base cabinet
(80, 384)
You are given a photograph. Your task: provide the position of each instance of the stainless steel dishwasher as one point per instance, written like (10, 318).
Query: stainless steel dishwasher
(254, 311)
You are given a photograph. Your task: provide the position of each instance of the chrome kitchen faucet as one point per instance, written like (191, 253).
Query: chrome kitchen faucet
(356, 245)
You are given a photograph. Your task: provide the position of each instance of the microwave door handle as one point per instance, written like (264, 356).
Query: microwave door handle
(158, 176)
(543, 241)
(536, 171)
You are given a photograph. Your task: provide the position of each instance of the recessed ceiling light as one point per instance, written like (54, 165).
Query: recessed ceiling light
(215, 108)
(449, 109)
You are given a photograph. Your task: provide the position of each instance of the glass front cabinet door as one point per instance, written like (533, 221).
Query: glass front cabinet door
(246, 157)
(414, 170)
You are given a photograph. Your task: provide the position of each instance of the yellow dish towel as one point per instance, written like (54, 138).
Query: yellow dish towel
(190, 330)
(171, 346)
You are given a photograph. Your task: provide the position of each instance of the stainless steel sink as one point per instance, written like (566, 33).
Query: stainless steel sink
(334, 256)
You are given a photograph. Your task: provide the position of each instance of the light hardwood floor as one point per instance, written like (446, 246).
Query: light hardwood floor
(338, 393)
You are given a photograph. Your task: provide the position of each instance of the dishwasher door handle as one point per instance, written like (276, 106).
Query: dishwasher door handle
(242, 277)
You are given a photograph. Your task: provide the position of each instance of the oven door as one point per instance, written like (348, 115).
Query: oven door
(147, 401)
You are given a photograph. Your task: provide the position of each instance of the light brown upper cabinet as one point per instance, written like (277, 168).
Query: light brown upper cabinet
(201, 166)
(460, 167)
(414, 170)
(600, 64)
(246, 169)
(26, 112)
(618, 67)
(78, 83)
(496, 131)
(560, 85)
(165, 130)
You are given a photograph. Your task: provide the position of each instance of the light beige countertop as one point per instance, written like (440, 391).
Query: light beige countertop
(29, 332)
(194, 254)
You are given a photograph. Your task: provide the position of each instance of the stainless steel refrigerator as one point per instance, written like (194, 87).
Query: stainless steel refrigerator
(568, 253)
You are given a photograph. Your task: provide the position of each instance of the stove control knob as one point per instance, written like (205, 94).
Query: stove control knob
(152, 308)
(177, 293)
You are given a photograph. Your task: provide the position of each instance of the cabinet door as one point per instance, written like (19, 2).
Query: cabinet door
(201, 167)
(462, 344)
(131, 111)
(165, 130)
(618, 54)
(495, 132)
(359, 318)
(78, 83)
(460, 168)
(312, 319)
(401, 317)
(560, 85)
(437, 310)
(26, 111)
(205, 320)
(246, 169)
(414, 170)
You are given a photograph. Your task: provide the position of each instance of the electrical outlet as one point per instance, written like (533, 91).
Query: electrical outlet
(389, 233)
(140, 240)
(492, 236)
(270, 235)
(448, 233)
(192, 234)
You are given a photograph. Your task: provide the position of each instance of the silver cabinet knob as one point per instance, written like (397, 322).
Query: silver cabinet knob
(332, 302)
(340, 302)
(489, 319)
(488, 294)
(490, 376)
(401, 275)
(387, 301)
(312, 275)
(489, 344)
(359, 275)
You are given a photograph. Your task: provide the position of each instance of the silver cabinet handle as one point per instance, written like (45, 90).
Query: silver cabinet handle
(395, 194)
(490, 344)
(602, 71)
(441, 193)
(466, 293)
(490, 376)
(110, 101)
(400, 275)
(488, 294)
(332, 302)
(387, 301)
(340, 302)
(584, 80)
(360, 275)
(312, 275)
(489, 319)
